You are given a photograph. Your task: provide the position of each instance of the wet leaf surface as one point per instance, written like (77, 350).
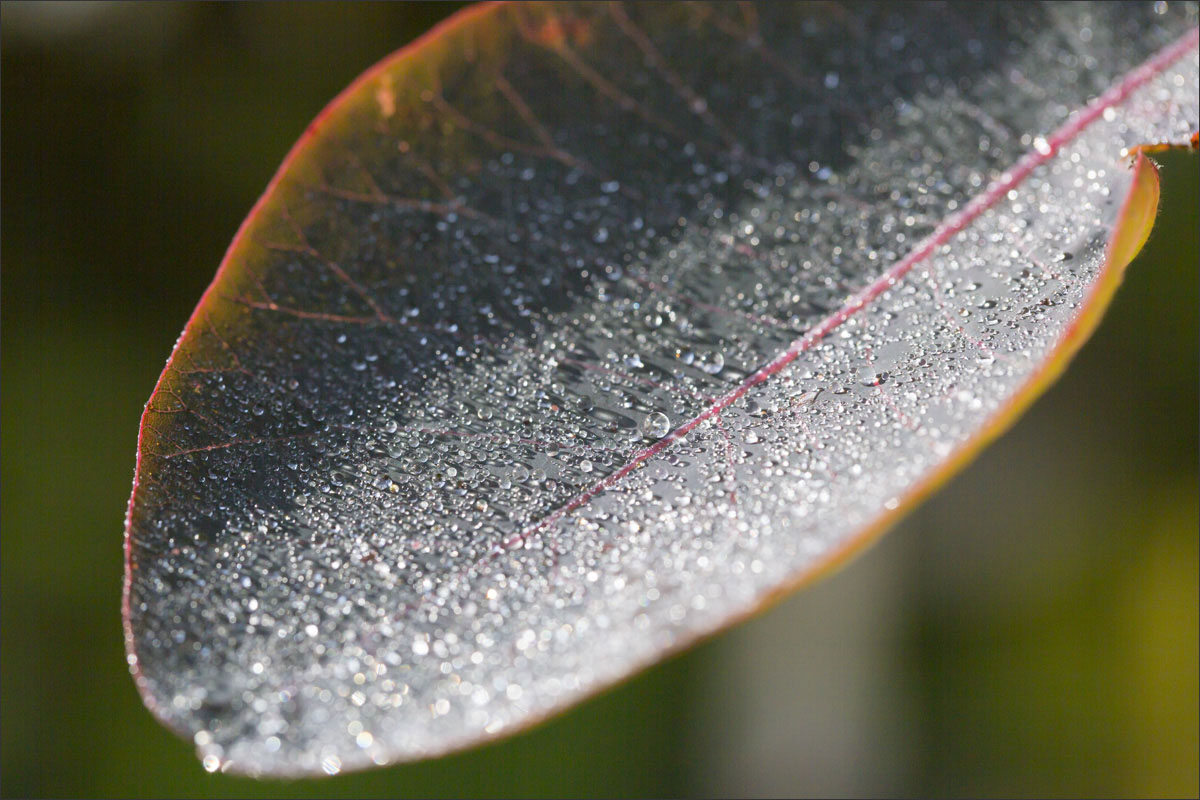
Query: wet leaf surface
(574, 333)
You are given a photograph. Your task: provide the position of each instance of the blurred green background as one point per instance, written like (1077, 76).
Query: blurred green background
(1032, 630)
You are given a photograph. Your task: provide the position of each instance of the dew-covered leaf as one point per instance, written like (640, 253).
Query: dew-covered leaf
(573, 333)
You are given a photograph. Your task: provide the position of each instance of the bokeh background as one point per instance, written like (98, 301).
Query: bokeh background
(1031, 630)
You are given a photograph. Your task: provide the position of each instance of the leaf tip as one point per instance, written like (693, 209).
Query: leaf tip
(1137, 214)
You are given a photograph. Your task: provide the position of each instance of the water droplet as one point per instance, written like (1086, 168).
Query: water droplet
(656, 425)
(875, 379)
(713, 363)
(806, 399)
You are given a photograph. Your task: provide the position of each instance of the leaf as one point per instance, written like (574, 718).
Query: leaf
(571, 334)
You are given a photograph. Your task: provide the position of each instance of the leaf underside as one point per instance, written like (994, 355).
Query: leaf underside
(574, 333)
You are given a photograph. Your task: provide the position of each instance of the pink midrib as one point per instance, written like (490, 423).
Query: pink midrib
(950, 227)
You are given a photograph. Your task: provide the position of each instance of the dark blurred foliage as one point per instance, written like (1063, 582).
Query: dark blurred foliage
(1031, 630)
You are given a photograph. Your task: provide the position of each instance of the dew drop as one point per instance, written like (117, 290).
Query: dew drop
(713, 363)
(807, 398)
(656, 425)
(876, 379)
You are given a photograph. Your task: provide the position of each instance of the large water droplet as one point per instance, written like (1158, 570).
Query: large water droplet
(713, 363)
(656, 425)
